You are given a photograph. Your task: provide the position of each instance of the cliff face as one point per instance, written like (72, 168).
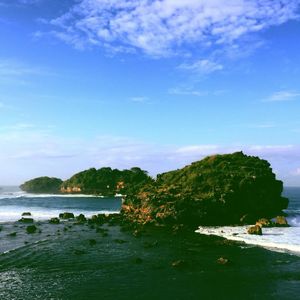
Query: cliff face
(218, 190)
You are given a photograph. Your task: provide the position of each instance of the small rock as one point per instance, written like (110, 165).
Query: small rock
(12, 234)
(119, 241)
(150, 245)
(255, 230)
(222, 261)
(178, 263)
(31, 229)
(138, 260)
(281, 221)
(26, 213)
(66, 215)
(54, 221)
(26, 220)
(79, 252)
(92, 242)
(81, 218)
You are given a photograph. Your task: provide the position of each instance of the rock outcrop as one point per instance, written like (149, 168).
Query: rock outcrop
(218, 190)
(255, 230)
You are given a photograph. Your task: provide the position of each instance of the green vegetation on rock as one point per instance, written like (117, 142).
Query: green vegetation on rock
(220, 189)
(106, 181)
(48, 185)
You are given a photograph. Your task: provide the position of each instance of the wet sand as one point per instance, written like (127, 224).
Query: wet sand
(68, 261)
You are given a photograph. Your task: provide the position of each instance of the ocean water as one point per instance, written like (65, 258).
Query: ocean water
(277, 239)
(13, 202)
(70, 261)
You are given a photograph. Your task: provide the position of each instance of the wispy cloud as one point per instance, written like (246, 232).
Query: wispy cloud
(282, 96)
(186, 92)
(139, 99)
(296, 172)
(262, 125)
(162, 28)
(204, 66)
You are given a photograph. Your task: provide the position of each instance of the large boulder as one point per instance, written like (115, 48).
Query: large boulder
(255, 230)
(218, 190)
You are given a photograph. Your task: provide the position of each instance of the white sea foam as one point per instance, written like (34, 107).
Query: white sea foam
(277, 239)
(20, 194)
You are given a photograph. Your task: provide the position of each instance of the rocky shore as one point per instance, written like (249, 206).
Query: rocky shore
(106, 257)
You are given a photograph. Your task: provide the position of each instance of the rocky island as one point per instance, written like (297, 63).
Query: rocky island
(231, 189)
(103, 182)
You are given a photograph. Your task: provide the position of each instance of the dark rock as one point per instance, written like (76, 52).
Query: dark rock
(26, 220)
(31, 229)
(26, 214)
(92, 242)
(150, 245)
(66, 215)
(12, 234)
(54, 221)
(81, 218)
(138, 260)
(1, 228)
(255, 230)
(281, 221)
(79, 252)
(119, 241)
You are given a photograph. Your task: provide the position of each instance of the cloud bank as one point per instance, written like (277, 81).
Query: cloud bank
(164, 27)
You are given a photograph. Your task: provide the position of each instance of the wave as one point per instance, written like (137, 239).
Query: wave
(277, 239)
(20, 194)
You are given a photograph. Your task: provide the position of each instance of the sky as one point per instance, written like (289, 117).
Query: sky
(149, 83)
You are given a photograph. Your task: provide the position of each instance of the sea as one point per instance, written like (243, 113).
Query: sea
(84, 261)
(276, 239)
(13, 202)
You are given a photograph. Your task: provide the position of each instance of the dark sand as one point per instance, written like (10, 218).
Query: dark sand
(69, 261)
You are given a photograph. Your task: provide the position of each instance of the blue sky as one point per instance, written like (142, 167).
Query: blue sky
(156, 84)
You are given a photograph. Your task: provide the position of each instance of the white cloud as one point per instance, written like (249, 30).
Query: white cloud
(297, 172)
(139, 99)
(282, 96)
(204, 66)
(186, 92)
(164, 27)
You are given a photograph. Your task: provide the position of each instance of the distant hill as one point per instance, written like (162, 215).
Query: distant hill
(42, 185)
(105, 181)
